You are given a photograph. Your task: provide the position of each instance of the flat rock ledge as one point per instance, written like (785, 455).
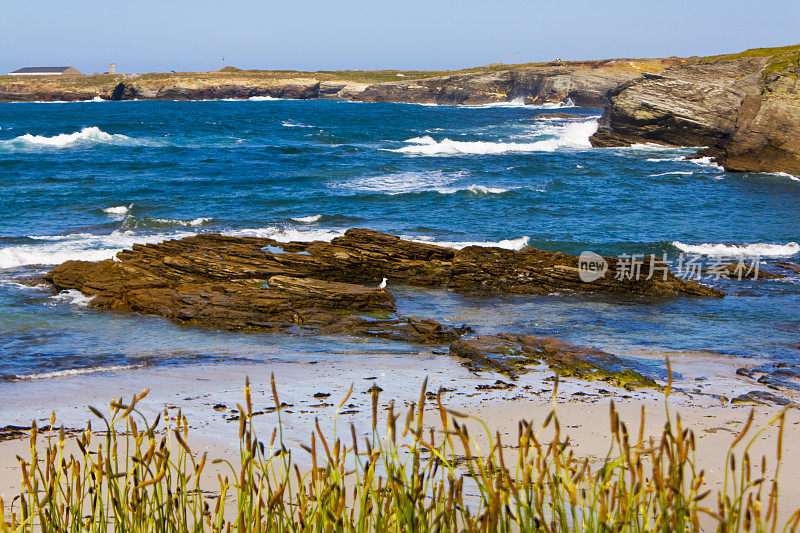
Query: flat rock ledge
(513, 354)
(248, 283)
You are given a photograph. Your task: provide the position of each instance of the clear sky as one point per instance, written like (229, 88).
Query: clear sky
(164, 35)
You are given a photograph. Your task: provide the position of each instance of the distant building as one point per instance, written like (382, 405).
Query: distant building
(112, 68)
(45, 71)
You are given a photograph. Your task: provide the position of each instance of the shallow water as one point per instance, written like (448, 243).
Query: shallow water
(84, 180)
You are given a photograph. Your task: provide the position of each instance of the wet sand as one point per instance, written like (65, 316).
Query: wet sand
(201, 391)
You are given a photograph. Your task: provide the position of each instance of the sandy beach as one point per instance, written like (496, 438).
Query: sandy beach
(208, 395)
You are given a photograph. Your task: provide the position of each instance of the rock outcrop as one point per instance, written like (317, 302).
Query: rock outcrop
(744, 109)
(512, 354)
(248, 283)
(257, 283)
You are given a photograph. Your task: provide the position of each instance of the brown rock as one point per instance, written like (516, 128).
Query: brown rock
(253, 283)
(512, 354)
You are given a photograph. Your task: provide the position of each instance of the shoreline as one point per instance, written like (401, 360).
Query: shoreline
(199, 392)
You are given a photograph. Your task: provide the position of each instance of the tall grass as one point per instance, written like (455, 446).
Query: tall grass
(135, 475)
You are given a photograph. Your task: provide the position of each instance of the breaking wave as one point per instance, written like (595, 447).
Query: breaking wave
(574, 135)
(508, 244)
(88, 135)
(290, 124)
(118, 210)
(55, 249)
(308, 220)
(740, 250)
(71, 296)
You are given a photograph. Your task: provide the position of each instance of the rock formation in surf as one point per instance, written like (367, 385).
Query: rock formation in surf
(246, 283)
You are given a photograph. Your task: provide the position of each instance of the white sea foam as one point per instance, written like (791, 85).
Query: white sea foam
(740, 250)
(705, 162)
(76, 372)
(478, 190)
(73, 297)
(571, 135)
(262, 98)
(783, 175)
(287, 234)
(55, 249)
(290, 124)
(664, 159)
(508, 244)
(118, 210)
(650, 147)
(674, 172)
(308, 220)
(88, 135)
(200, 221)
(400, 183)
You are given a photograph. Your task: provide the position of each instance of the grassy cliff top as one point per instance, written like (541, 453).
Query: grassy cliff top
(782, 59)
(233, 75)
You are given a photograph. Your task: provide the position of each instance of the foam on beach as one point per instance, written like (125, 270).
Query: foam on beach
(74, 372)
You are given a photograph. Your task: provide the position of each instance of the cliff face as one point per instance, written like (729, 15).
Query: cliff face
(587, 83)
(744, 110)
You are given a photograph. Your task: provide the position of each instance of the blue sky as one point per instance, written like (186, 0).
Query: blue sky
(148, 35)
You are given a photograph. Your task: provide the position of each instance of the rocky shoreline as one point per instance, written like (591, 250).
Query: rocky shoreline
(259, 284)
(742, 109)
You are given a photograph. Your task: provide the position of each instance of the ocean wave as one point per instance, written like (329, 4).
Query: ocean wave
(740, 250)
(290, 124)
(705, 162)
(55, 249)
(262, 98)
(117, 210)
(516, 102)
(282, 234)
(782, 175)
(477, 190)
(672, 173)
(308, 220)
(508, 244)
(574, 135)
(71, 296)
(88, 135)
(401, 182)
(132, 222)
(74, 372)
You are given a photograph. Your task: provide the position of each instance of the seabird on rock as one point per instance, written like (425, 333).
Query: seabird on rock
(382, 285)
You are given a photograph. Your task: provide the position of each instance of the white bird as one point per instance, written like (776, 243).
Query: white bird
(382, 285)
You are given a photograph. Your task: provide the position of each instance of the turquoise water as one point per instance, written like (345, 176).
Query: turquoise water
(84, 180)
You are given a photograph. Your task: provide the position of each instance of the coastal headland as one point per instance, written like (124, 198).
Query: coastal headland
(743, 109)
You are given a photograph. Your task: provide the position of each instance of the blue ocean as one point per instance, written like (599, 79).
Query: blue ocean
(86, 180)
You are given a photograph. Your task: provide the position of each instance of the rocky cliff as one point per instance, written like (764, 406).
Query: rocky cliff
(744, 109)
